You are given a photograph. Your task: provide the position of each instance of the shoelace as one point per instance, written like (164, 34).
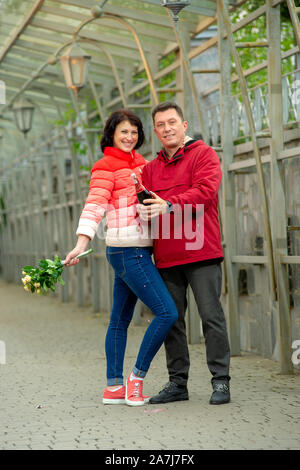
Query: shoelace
(221, 388)
(136, 391)
(168, 387)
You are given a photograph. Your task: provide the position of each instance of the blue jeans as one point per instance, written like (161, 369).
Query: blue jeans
(136, 277)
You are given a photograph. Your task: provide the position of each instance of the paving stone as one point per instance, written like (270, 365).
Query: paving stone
(52, 383)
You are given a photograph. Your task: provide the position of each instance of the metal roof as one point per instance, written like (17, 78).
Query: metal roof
(31, 33)
(32, 30)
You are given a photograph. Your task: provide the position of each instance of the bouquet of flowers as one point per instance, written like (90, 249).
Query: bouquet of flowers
(46, 275)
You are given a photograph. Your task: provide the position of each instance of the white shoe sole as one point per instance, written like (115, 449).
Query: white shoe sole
(113, 401)
(135, 403)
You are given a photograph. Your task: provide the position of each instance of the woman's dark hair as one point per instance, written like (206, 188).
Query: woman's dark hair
(114, 119)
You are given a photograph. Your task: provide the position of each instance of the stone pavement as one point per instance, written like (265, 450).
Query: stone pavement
(54, 375)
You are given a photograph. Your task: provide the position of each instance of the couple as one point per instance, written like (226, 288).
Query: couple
(185, 173)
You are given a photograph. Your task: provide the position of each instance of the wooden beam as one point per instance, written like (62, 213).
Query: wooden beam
(256, 152)
(277, 190)
(138, 15)
(34, 94)
(150, 31)
(226, 205)
(290, 259)
(52, 73)
(244, 259)
(205, 8)
(36, 7)
(111, 39)
(59, 90)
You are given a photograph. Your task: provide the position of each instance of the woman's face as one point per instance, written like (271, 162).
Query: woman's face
(125, 136)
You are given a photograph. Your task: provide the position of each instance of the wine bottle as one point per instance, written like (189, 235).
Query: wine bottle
(141, 192)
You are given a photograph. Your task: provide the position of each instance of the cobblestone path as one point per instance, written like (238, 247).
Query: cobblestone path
(54, 375)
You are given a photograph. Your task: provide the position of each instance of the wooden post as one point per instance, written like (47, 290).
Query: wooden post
(62, 219)
(193, 89)
(256, 152)
(153, 61)
(279, 217)
(88, 145)
(77, 207)
(228, 189)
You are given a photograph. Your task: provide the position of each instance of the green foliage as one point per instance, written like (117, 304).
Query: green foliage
(164, 81)
(168, 78)
(80, 148)
(85, 167)
(44, 277)
(257, 31)
(138, 78)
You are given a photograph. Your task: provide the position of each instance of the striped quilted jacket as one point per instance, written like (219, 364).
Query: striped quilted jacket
(112, 191)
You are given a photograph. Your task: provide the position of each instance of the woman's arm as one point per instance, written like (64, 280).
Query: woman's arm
(81, 246)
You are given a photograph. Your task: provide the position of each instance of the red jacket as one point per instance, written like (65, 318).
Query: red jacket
(112, 191)
(191, 177)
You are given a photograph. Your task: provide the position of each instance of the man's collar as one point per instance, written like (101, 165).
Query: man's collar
(163, 153)
(187, 139)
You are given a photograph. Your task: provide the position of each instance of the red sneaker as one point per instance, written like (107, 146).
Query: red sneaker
(117, 397)
(114, 397)
(134, 392)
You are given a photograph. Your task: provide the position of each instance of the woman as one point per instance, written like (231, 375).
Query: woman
(112, 190)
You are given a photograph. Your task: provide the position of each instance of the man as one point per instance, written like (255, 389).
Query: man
(184, 178)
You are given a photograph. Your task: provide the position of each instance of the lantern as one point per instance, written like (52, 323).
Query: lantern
(23, 114)
(175, 6)
(74, 64)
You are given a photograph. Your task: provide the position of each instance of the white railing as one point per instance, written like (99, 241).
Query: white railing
(259, 105)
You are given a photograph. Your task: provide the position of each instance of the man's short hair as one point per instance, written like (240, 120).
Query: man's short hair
(161, 107)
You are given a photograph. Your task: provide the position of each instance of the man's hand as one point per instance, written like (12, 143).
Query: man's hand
(152, 207)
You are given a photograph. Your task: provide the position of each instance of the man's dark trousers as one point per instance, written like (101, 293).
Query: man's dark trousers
(205, 281)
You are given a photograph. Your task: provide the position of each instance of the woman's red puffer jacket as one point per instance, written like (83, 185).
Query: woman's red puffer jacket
(112, 190)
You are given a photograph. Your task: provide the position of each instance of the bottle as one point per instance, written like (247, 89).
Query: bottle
(141, 192)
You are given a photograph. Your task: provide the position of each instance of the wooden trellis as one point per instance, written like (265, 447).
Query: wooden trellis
(42, 200)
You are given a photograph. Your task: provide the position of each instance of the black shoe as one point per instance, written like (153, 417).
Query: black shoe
(221, 394)
(170, 392)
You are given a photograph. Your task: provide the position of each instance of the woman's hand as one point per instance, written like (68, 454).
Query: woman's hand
(80, 247)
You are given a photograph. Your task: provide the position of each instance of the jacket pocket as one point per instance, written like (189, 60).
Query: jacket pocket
(168, 188)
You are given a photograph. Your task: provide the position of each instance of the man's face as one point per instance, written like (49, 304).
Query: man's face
(170, 129)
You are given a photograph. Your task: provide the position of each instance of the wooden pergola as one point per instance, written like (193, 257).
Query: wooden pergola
(141, 56)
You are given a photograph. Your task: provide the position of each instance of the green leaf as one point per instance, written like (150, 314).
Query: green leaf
(50, 262)
(43, 263)
(61, 281)
(28, 268)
